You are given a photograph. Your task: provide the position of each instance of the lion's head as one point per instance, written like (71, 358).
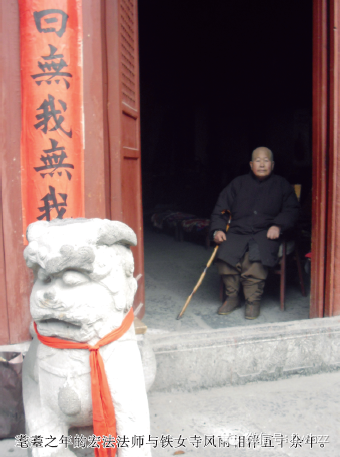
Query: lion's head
(83, 272)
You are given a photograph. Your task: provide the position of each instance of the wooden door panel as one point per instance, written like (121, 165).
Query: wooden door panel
(124, 124)
(130, 184)
(129, 49)
(129, 133)
(132, 204)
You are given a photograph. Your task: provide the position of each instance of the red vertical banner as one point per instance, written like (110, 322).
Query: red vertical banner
(52, 150)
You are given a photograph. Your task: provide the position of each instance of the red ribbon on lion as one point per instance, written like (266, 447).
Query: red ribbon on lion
(104, 420)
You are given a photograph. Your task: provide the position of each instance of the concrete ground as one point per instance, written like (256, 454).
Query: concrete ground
(287, 412)
(171, 271)
(297, 406)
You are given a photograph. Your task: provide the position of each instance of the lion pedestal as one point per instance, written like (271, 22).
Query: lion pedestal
(83, 290)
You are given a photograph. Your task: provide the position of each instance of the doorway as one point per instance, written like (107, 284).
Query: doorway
(217, 81)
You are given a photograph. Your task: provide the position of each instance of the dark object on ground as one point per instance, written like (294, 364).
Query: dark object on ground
(12, 418)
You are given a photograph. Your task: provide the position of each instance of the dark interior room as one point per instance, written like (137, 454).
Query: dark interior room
(219, 79)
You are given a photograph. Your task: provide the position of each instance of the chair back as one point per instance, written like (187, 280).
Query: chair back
(297, 190)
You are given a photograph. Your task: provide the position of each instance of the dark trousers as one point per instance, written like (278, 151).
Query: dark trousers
(252, 276)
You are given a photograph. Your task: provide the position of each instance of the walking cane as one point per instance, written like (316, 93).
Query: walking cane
(210, 261)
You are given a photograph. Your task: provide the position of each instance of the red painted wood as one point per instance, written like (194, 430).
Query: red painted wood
(319, 157)
(332, 303)
(131, 151)
(112, 151)
(67, 94)
(96, 166)
(14, 276)
(4, 326)
(111, 23)
(123, 124)
(18, 279)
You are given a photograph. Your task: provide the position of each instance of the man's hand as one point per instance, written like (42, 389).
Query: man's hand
(273, 232)
(220, 237)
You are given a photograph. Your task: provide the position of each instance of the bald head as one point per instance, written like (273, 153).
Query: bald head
(262, 163)
(267, 151)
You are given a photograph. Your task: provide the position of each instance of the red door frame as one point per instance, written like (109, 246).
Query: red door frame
(332, 283)
(16, 275)
(319, 204)
(103, 167)
(325, 288)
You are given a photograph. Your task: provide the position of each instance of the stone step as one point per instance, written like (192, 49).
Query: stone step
(238, 355)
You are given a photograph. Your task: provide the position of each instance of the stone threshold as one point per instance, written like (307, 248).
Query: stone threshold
(238, 355)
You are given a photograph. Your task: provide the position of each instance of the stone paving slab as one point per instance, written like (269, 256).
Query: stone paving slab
(299, 405)
(296, 406)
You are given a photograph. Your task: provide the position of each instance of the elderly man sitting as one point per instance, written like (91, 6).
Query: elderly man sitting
(262, 206)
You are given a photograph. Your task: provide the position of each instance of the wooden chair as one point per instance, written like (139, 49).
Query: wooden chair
(281, 270)
(282, 263)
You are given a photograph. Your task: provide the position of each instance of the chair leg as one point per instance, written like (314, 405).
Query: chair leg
(283, 277)
(222, 291)
(299, 267)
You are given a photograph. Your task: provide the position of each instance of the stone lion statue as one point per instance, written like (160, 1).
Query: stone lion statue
(83, 289)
